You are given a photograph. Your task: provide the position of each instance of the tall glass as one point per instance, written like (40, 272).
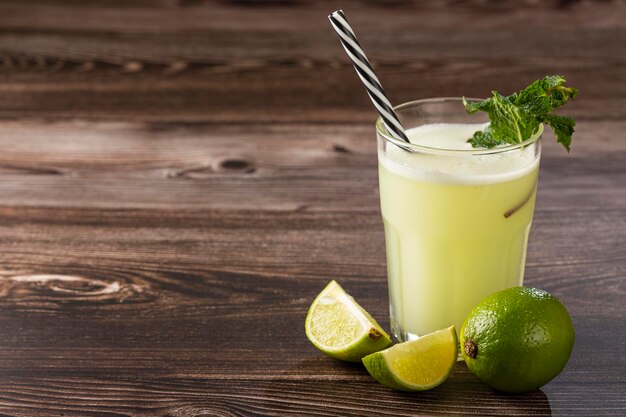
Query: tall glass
(456, 221)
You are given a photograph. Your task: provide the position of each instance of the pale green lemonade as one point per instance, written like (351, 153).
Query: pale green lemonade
(456, 226)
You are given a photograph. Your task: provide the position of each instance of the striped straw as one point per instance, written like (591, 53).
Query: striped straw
(366, 73)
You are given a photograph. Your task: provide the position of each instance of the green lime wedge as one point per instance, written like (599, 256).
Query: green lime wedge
(341, 328)
(417, 365)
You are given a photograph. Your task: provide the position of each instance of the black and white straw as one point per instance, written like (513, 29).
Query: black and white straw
(365, 72)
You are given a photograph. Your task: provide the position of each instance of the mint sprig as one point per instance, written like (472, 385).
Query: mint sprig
(515, 118)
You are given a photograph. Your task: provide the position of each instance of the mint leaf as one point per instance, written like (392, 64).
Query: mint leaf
(563, 127)
(509, 124)
(474, 106)
(483, 139)
(515, 118)
(543, 96)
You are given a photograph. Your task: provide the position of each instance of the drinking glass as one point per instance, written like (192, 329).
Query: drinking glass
(456, 221)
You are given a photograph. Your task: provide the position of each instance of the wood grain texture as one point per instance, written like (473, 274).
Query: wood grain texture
(236, 64)
(179, 179)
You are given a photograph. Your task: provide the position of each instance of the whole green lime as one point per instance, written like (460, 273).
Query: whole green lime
(518, 339)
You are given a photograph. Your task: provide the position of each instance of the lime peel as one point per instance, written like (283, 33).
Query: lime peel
(518, 339)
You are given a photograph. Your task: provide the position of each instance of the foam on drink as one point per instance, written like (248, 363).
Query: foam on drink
(454, 168)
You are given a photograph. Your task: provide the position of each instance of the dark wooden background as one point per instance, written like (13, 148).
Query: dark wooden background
(179, 179)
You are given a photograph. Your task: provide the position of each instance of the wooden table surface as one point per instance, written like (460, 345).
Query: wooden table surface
(180, 178)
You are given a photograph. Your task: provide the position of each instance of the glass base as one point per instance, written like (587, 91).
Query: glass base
(404, 336)
(401, 335)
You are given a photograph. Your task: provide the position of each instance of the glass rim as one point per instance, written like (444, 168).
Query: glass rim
(382, 131)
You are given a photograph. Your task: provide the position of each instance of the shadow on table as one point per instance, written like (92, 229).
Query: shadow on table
(322, 385)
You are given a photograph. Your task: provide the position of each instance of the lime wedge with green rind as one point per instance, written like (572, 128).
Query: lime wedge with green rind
(338, 326)
(417, 365)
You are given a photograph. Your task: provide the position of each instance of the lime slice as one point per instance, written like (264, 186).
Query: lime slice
(340, 328)
(417, 365)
